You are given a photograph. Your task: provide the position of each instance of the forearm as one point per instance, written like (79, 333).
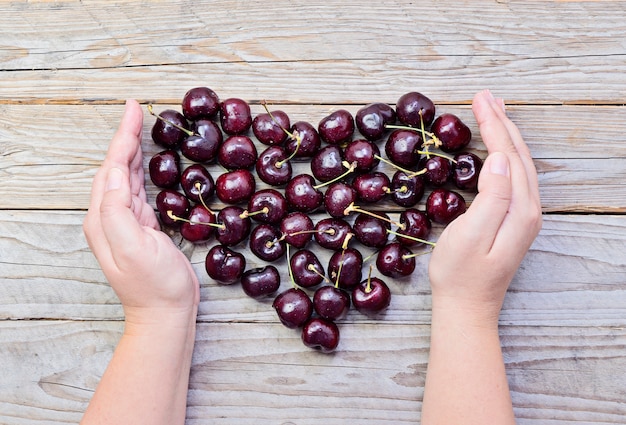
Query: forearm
(147, 379)
(466, 380)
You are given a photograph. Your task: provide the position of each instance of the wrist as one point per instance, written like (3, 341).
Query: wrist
(154, 321)
(469, 314)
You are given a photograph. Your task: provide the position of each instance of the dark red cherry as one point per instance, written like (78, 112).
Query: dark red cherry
(224, 265)
(371, 296)
(301, 194)
(320, 334)
(371, 187)
(371, 231)
(407, 190)
(237, 152)
(266, 243)
(336, 128)
(402, 148)
(204, 144)
(371, 120)
(235, 186)
(416, 225)
(409, 106)
(235, 116)
(350, 261)
(293, 307)
(466, 170)
(437, 170)
(331, 303)
(200, 102)
(310, 141)
(270, 129)
(170, 202)
(330, 232)
(395, 260)
(167, 135)
(443, 206)
(260, 282)
(362, 152)
(306, 269)
(297, 229)
(271, 199)
(338, 197)
(164, 169)
(452, 132)
(198, 229)
(327, 164)
(235, 226)
(197, 182)
(272, 167)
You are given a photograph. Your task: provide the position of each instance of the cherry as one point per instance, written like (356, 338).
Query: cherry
(344, 268)
(371, 231)
(297, 229)
(331, 232)
(237, 152)
(197, 183)
(395, 260)
(371, 187)
(224, 265)
(320, 334)
(363, 153)
(443, 206)
(198, 228)
(260, 282)
(202, 146)
(338, 197)
(293, 307)
(235, 186)
(327, 163)
(310, 141)
(336, 128)
(407, 189)
(371, 120)
(453, 134)
(302, 195)
(273, 167)
(266, 243)
(466, 170)
(170, 128)
(371, 296)
(306, 269)
(403, 147)
(267, 206)
(415, 225)
(164, 169)
(414, 108)
(172, 205)
(437, 170)
(235, 225)
(235, 116)
(331, 303)
(200, 102)
(269, 128)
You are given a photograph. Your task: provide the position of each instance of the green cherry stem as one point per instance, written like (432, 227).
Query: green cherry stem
(312, 268)
(293, 135)
(356, 208)
(410, 173)
(418, 254)
(413, 238)
(350, 169)
(171, 215)
(184, 130)
(247, 213)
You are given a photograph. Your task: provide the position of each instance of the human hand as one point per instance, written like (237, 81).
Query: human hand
(478, 254)
(149, 274)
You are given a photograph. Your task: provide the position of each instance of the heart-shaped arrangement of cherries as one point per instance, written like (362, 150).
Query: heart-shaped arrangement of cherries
(425, 151)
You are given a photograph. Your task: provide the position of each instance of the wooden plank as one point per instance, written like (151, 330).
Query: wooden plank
(246, 373)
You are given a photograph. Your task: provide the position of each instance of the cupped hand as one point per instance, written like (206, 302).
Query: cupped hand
(149, 274)
(478, 254)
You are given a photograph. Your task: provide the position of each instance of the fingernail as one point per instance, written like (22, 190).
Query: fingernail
(114, 179)
(499, 164)
(489, 94)
(502, 104)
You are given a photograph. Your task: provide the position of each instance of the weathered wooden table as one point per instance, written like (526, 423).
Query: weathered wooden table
(66, 68)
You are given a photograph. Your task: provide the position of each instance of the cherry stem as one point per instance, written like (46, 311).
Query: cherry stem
(295, 135)
(304, 232)
(312, 268)
(293, 281)
(340, 267)
(350, 167)
(199, 187)
(247, 213)
(429, 153)
(413, 238)
(368, 288)
(183, 129)
(356, 208)
(171, 215)
(417, 254)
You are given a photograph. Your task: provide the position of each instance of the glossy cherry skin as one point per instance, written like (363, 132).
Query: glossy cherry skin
(416, 225)
(331, 232)
(452, 132)
(265, 243)
(272, 168)
(204, 144)
(351, 272)
(167, 135)
(197, 182)
(362, 152)
(293, 307)
(310, 141)
(371, 120)
(338, 197)
(271, 199)
(235, 116)
(326, 164)
(164, 169)
(297, 228)
(200, 102)
(408, 109)
(301, 194)
(407, 190)
(235, 226)
(331, 303)
(235, 186)
(371, 297)
(175, 202)
(466, 171)
(260, 282)
(320, 334)
(301, 262)
(371, 231)
(270, 129)
(336, 128)
(198, 230)
(237, 152)
(371, 187)
(402, 148)
(443, 206)
(438, 170)
(224, 265)
(392, 261)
